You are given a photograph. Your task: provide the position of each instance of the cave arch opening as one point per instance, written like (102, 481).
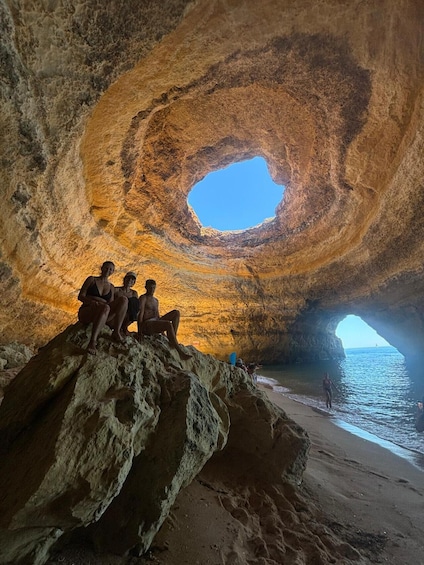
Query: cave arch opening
(355, 333)
(237, 197)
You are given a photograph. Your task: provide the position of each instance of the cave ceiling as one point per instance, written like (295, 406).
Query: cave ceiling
(112, 112)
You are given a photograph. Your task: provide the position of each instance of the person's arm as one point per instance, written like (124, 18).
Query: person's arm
(82, 296)
(114, 292)
(140, 317)
(156, 303)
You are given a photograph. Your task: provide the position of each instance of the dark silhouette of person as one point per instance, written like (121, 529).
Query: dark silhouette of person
(101, 306)
(133, 301)
(251, 369)
(327, 385)
(419, 417)
(150, 322)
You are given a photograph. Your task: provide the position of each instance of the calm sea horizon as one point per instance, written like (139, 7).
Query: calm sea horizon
(375, 395)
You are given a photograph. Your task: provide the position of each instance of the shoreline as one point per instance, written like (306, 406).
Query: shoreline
(283, 401)
(413, 456)
(354, 494)
(360, 485)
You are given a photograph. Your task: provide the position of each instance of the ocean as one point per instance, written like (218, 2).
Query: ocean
(375, 396)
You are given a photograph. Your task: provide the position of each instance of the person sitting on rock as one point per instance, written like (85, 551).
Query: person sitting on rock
(133, 302)
(101, 306)
(251, 369)
(240, 364)
(150, 322)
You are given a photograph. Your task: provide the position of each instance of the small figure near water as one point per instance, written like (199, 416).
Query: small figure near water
(240, 364)
(133, 301)
(327, 385)
(251, 369)
(101, 306)
(419, 418)
(150, 322)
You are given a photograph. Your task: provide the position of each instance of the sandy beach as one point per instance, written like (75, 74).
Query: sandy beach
(368, 496)
(372, 496)
(363, 495)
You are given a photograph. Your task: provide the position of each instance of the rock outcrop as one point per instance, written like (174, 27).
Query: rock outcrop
(112, 111)
(102, 445)
(14, 355)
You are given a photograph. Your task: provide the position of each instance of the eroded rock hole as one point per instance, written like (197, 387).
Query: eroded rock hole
(238, 197)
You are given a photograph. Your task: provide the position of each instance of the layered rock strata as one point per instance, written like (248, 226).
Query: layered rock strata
(111, 112)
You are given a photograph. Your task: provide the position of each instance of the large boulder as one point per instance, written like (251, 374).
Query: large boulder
(105, 443)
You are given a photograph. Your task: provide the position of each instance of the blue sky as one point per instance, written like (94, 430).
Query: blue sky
(244, 195)
(237, 197)
(354, 332)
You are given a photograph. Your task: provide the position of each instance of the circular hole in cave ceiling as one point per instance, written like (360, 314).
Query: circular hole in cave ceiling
(237, 197)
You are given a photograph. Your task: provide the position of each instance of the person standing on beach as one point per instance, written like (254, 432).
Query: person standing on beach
(327, 385)
(150, 322)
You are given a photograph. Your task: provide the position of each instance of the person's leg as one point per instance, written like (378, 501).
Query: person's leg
(158, 326)
(152, 327)
(125, 325)
(118, 310)
(97, 314)
(174, 317)
(132, 313)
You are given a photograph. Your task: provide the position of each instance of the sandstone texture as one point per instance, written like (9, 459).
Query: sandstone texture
(100, 446)
(112, 111)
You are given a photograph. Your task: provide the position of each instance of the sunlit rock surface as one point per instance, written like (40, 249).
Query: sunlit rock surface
(112, 111)
(105, 443)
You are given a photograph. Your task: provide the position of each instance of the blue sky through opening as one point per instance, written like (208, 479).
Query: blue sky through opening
(354, 332)
(237, 197)
(243, 195)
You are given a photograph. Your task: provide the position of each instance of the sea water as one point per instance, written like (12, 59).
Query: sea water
(375, 395)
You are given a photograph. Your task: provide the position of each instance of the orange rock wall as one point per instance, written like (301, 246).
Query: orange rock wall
(111, 112)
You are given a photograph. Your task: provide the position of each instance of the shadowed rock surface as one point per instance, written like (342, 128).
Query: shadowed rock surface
(112, 111)
(102, 445)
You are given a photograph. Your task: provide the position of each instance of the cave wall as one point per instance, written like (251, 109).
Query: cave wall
(111, 112)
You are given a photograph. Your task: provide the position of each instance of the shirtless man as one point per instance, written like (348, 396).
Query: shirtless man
(327, 385)
(150, 322)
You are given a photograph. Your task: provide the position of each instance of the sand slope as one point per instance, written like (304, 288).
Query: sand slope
(369, 498)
